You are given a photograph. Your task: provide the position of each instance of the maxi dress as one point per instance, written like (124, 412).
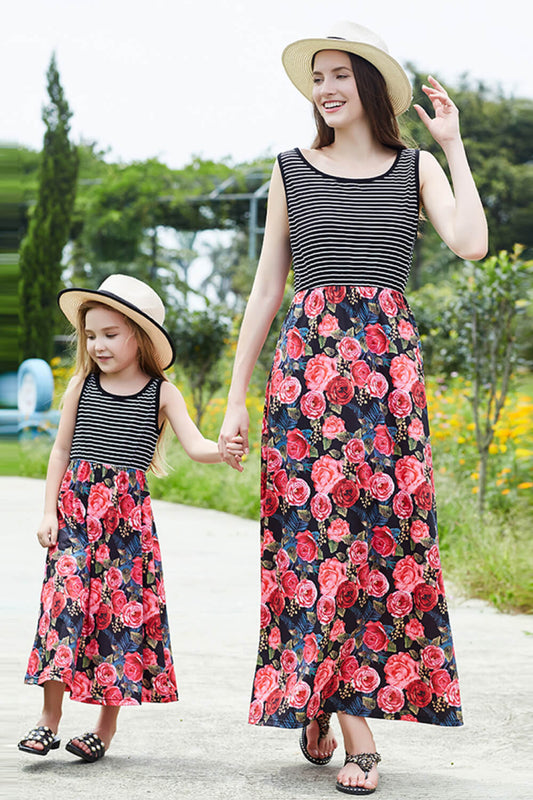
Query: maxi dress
(103, 626)
(353, 607)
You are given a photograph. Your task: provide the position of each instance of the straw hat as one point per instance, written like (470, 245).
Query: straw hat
(135, 300)
(351, 38)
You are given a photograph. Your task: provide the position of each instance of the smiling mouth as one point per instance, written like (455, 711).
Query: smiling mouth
(333, 105)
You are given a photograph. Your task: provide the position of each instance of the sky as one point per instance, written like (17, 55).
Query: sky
(172, 79)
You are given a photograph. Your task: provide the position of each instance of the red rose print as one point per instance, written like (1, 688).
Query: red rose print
(137, 569)
(162, 685)
(275, 381)
(282, 560)
(376, 339)
(297, 445)
(407, 574)
(268, 583)
(300, 695)
(433, 557)
(47, 594)
(409, 472)
(81, 687)
(338, 628)
(419, 530)
(328, 325)
(319, 371)
(424, 496)
(110, 520)
(266, 616)
(33, 663)
(391, 699)
(403, 372)
(375, 636)
(103, 617)
(337, 529)
(133, 668)
(321, 507)
(402, 504)
(332, 426)
(313, 404)
(132, 614)
(360, 372)
(150, 604)
(432, 656)
(347, 594)
(335, 294)
(377, 385)
(102, 553)
(419, 394)
(63, 656)
(83, 472)
(52, 639)
(44, 623)
(383, 541)
(340, 390)
(306, 593)
(314, 303)
(331, 574)
(400, 403)
(348, 668)
(289, 583)
(67, 502)
(269, 503)
(256, 712)
(73, 586)
(95, 595)
(295, 344)
(401, 670)
(381, 486)
(298, 492)
(366, 680)
(122, 482)
(324, 673)
(113, 696)
(347, 648)
(345, 493)
(377, 584)
(58, 604)
(273, 458)
(386, 301)
(88, 625)
(452, 694)
(331, 686)
(405, 329)
(310, 648)
(418, 693)
(113, 578)
(66, 565)
(126, 504)
(105, 674)
(266, 680)
(306, 546)
(399, 604)
(349, 348)
(425, 597)
(414, 629)
(354, 451)
(383, 441)
(325, 609)
(367, 291)
(358, 552)
(100, 497)
(439, 681)
(289, 390)
(416, 429)
(289, 660)
(325, 473)
(277, 602)
(274, 639)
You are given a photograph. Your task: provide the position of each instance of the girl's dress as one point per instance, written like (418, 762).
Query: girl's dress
(103, 627)
(353, 613)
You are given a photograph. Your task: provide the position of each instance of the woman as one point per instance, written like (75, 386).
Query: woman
(353, 615)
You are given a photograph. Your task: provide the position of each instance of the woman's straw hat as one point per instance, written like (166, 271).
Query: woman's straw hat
(352, 38)
(135, 300)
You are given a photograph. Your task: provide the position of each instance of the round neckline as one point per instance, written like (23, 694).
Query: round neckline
(349, 180)
(122, 396)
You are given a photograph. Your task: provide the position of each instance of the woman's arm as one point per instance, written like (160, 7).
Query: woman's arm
(173, 407)
(263, 304)
(58, 462)
(457, 216)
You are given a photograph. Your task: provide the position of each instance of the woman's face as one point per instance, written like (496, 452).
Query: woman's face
(335, 90)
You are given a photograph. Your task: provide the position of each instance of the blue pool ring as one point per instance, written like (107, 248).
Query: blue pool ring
(35, 386)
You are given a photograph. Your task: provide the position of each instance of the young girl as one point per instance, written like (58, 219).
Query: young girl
(103, 631)
(353, 617)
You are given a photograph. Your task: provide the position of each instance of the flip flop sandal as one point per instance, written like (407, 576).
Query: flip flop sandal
(365, 762)
(93, 742)
(323, 728)
(45, 736)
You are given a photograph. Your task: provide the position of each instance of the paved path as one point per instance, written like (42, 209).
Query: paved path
(202, 747)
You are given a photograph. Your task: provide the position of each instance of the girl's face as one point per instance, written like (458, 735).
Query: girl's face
(335, 90)
(111, 343)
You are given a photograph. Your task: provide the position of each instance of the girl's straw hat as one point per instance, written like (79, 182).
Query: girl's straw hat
(135, 300)
(352, 38)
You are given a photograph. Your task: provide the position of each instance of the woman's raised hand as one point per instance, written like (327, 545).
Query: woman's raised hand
(236, 424)
(444, 126)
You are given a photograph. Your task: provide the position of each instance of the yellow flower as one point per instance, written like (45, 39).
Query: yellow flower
(474, 476)
(525, 485)
(475, 489)
(505, 491)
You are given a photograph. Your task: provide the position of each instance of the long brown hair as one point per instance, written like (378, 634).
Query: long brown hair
(376, 102)
(148, 363)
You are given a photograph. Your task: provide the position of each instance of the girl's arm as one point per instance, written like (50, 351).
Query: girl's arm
(197, 447)
(58, 462)
(457, 216)
(263, 303)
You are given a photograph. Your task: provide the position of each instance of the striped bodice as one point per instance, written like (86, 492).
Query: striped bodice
(351, 231)
(116, 429)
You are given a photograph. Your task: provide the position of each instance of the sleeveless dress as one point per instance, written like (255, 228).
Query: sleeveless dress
(353, 608)
(103, 627)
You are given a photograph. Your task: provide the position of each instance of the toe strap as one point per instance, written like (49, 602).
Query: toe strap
(365, 761)
(93, 742)
(43, 734)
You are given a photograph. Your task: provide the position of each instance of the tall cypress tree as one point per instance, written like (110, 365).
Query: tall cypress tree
(42, 248)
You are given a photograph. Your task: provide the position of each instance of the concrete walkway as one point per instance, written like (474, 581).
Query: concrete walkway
(202, 747)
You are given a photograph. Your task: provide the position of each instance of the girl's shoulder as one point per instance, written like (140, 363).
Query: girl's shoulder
(75, 385)
(168, 392)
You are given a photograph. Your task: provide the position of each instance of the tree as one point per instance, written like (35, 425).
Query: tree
(42, 248)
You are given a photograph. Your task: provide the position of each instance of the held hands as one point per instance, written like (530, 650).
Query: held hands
(233, 439)
(444, 127)
(47, 533)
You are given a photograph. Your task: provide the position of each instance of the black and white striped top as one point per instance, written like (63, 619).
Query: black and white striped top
(351, 231)
(116, 429)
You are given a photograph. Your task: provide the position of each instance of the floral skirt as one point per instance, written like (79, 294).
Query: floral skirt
(353, 609)
(103, 627)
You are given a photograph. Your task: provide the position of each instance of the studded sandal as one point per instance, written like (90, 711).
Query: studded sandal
(323, 728)
(365, 762)
(93, 742)
(45, 736)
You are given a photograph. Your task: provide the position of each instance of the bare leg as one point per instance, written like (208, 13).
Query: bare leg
(105, 727)
(322, 748)
(53, 692)
(357, 739)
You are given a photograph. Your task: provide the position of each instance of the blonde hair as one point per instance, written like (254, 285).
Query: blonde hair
(148, 363)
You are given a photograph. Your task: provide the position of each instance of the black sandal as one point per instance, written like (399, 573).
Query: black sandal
(93, 742)
(45, 736)
(365, 762)
(323, 728)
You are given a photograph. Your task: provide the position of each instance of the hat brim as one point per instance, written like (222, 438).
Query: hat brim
(70, 300)
(297, 59)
